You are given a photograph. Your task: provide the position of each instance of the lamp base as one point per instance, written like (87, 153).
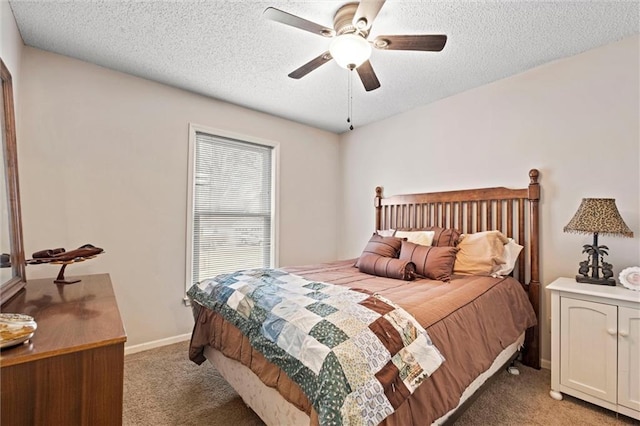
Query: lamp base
(601, 281)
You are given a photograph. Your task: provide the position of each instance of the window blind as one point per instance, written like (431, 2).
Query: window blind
(232, 206)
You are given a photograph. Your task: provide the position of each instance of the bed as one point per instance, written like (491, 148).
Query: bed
(477, 323)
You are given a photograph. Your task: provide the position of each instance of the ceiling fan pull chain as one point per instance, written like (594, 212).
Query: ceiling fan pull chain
(350, 100)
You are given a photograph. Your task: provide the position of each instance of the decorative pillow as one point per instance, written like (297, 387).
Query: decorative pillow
(431, 262)
(511, 252)
(443, 237)
(386, 232)
(382, 246)
(423, 238)
(387, 267)
(481, 253)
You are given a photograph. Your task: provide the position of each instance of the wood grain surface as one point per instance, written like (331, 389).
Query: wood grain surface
(71, 372)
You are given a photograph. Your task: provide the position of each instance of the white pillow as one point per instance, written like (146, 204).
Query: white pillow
(422, 238)
(511, 252)
(386, 232)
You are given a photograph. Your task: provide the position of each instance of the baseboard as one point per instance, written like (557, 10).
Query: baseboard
(156, 344)
(546, 364)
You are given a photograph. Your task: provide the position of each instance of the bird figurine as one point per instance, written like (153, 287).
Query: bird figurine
(63, 257)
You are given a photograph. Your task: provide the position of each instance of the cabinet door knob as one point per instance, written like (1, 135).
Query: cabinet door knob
(623, 333)
(611, 331)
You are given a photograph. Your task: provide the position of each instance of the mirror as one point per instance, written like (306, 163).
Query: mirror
(12, 262)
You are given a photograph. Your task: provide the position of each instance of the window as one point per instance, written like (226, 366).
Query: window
(231, 208)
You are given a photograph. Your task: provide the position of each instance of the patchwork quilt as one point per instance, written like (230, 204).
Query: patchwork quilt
(356, 355)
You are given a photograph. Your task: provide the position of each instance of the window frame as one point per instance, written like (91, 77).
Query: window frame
(275, 185)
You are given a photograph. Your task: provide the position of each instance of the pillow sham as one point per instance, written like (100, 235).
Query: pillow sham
(442, 237)
(445, 237)
(511, 252)
(423, 238)
(387, 267)
(382, 246)
(431, 262)
(386, 232)
(481, 253)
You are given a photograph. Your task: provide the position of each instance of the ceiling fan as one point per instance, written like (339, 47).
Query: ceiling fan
(349, 46)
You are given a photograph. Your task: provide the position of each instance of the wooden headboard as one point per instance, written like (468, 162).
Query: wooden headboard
(512, 211)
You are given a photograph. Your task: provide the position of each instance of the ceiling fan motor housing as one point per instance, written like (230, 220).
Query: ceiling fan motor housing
(343, 20)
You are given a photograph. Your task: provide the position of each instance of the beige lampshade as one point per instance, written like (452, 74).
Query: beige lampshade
(598, 215)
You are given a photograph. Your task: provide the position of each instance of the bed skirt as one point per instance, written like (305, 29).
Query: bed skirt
(274, 410)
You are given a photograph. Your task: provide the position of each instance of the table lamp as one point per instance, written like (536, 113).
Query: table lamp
(597, 216)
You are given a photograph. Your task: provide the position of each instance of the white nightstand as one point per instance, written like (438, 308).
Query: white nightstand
(595, 344)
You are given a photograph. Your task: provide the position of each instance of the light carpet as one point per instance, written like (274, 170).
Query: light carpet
(162, 387)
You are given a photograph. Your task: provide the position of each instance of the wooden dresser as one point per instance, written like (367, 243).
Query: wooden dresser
(72, 370)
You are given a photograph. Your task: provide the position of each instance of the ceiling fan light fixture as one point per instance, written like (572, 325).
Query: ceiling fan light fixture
(350, 50)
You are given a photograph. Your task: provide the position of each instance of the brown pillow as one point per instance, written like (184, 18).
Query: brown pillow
(443, 237)
(382, 246)
(431, 262)
(387, 267)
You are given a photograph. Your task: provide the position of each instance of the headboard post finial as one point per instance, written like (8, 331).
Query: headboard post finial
(534, 186)
(377, 202)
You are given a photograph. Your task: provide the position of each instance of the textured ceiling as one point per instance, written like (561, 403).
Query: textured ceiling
(228, 51)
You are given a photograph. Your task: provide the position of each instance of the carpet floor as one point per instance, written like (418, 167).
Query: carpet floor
(162, 387)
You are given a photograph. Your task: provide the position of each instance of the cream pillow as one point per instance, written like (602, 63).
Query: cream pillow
(386, 232)
(422, 238)
(481, 253)
(511, 252)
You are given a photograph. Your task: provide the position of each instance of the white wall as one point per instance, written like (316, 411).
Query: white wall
(576, 120)
(104, 161)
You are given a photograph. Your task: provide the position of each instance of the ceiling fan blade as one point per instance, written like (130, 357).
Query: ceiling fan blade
(368, 76)
(366, 13)
(311, 65)
(295, 21)
(424, 42)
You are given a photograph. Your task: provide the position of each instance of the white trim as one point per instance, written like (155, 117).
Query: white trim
(545, 363)
(275, 208)
(275, 192)
(128, 350)
(190, 196)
